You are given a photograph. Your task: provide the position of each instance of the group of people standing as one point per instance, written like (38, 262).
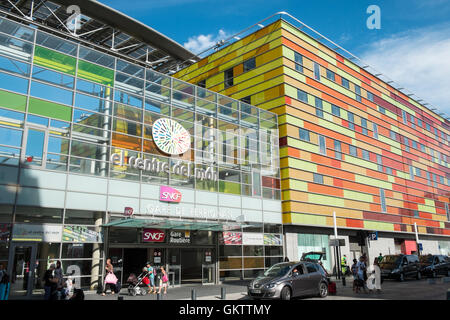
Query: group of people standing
(158, 275)
(153, 275)
(55, 288)
(365, 278)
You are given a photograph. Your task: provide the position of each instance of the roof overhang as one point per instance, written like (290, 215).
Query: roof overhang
(106, 27)
(192, 225)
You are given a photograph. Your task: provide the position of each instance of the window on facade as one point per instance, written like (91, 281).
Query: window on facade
(249, 64)
(370, 96)
(406, 144)
(330, 75)
(353, 151)
(351, 120)
(364, 126)
(316, 71)
(318, 178)
(383, 200)
(380, 163)
(228, 77)
(414, 144)
(336, 110)
(319, 107)
(302, 95)
(422, 148)
(418, 173)
(420, 123)
(428, 126)
(366, 155)
(246, 99)
(358, 92)
(382, 110)
(345, 83)
(322, 145)
(447, 211)
(388, 170)
(413, 122)
(298, 62)
(428, 178)
(404, 116)
(416, 213)
(411, 172)
(393, 135)
(337, 149)
(202, 83)
(304, 134)
(375, 130)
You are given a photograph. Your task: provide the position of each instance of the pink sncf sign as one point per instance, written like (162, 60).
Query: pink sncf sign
(169, 194)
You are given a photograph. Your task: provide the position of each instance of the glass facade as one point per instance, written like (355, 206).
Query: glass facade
(66, 108)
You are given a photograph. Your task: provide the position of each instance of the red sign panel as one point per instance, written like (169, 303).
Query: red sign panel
(128, 211)
(153, 235)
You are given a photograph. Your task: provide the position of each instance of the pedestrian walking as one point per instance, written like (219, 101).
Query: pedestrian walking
(354, 269)
(110, 278)
(344, 265)
(151, 276)
(164, 282)
(362, 273)
(58, 275)
(50, 283)
(377, 275)
(4, 283)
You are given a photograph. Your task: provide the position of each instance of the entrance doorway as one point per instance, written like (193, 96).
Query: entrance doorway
(134, 259)
(22, 268)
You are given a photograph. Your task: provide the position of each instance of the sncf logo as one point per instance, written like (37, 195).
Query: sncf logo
(169, 194)
(153, 235)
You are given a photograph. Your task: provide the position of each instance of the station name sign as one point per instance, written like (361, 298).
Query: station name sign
(185, 169)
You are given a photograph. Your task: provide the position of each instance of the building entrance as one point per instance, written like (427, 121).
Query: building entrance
(184, 265)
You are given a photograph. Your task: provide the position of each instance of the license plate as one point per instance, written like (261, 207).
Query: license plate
(256, 291)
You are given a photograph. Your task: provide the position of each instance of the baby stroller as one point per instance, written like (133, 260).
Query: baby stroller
(134, 284)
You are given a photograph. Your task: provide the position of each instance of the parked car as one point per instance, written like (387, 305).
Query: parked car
(287, 280)
(434, 265)
(400, 267)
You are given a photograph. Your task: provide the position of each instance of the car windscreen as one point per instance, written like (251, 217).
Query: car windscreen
(426, 260)
(277, 270)
(390, 260)
(313, 256)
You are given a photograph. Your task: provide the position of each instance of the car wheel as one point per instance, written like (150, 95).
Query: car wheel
(323, 290)
(144, 291)
(401, 277)
(285, 294)
(419, 275)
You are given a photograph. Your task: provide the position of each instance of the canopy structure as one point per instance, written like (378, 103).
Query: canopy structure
(176, 224)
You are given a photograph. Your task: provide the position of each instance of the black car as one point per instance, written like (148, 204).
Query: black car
(400, 267)
(434, 265)
(290, 279)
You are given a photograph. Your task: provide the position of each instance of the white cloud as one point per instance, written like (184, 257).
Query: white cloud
(418, 61)
(199, 43)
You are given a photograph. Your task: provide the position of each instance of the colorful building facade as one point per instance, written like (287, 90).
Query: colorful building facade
(349, 143)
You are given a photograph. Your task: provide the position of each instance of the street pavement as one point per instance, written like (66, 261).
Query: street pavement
(425, 289)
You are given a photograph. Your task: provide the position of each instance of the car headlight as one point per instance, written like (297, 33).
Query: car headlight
(270, 285)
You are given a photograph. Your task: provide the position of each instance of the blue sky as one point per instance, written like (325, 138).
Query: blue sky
(412, 47)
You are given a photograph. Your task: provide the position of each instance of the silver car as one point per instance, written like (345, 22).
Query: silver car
(287, 280)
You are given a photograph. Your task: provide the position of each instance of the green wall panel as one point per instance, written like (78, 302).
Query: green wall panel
(93, 72)
(54, 60)
(378, 226)
(229, 187)
(308, 219)
(12, 101)
(50, 109)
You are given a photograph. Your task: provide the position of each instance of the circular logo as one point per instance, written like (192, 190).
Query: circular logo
(170, 136)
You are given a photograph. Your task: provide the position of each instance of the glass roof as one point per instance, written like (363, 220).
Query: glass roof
(176, 224)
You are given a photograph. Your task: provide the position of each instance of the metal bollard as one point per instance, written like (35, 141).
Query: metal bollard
(223, 293)
(448, 294)
(193, 295)
(343, 281)
(158, 296)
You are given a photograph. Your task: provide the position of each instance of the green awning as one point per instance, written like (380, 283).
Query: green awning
(176, 224)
